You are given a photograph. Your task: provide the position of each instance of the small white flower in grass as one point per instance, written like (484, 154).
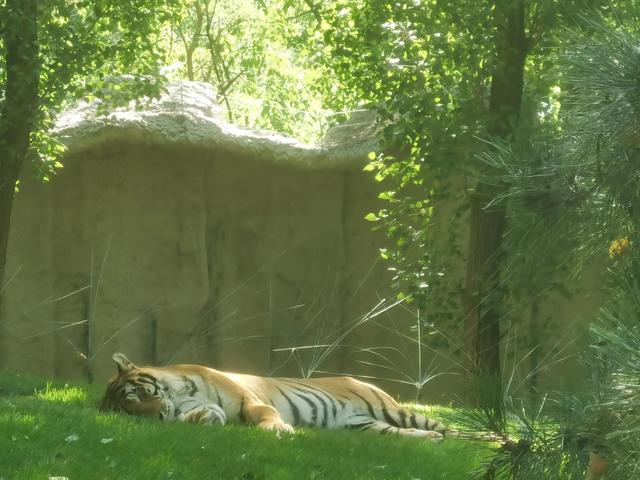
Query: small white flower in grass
(58, 478)
(104, 441)
(72, 438)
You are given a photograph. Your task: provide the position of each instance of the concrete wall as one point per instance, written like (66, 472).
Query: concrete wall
(185, 254)
(181, 254)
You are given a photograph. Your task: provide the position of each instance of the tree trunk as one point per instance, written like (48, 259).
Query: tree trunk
(18, 112)
(483, 290)
(8, 179)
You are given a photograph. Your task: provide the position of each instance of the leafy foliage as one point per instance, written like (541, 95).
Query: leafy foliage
(253, 54)
(613, 417)
(595, 429)
(425, 67)
(570, 184)
(86, 47)
(575, 186)
(422, 66)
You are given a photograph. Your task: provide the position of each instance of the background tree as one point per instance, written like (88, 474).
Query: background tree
(56, 51)
(487, 223)
(441, 76)
(19, 103)
(573, 189)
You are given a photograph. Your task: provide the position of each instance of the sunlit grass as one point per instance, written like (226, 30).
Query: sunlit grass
(25, 419)
(21, 384)
(57, 431)
(64, 394)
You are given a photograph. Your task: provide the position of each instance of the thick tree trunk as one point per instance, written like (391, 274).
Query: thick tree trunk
(19, 109)
(8, 179)
(483, 290)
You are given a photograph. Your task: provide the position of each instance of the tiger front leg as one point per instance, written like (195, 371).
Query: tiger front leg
(265, 417)
(205, 414)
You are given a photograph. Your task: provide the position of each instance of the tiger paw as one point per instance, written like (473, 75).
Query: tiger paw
(430, 435)
(278, 427)
(434, 436)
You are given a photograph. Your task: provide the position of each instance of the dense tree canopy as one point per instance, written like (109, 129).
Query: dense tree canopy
(254, 55)
(452, 80)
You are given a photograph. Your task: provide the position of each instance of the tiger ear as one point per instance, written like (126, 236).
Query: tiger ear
(123, 363)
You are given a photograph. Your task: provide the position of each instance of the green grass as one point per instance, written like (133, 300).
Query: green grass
(49, 430)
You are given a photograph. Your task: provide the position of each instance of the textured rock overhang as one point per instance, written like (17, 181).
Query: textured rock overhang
(187, 114)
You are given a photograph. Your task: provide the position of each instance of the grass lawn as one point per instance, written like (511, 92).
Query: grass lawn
(55, 431)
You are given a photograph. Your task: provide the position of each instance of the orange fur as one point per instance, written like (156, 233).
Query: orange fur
(193, 393)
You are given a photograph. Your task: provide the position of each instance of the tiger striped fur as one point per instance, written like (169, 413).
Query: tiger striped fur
(193, 393)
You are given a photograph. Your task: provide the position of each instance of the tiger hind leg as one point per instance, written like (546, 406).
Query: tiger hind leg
(367, 423)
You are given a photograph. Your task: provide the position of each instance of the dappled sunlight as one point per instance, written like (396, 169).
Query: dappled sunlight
(65, 394)
(108, 419)
(92, 444)
(296, 215)
(25, 419)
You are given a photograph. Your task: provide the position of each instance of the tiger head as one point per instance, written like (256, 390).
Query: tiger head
(137, 391)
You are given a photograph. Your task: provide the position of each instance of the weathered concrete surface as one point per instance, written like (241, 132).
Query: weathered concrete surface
(173, 236)
(168, 241)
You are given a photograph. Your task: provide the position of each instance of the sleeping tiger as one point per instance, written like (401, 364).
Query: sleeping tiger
(192, 393)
